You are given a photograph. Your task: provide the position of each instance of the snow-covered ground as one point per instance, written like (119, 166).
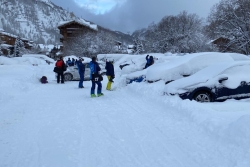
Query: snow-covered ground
(59, 125)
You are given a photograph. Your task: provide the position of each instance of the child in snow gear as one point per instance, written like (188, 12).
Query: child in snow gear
(43, 80)
(110, 73)
(61, 67)
(95, 78)
(81, 70)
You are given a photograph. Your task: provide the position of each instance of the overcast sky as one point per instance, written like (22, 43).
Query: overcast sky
(130, 15)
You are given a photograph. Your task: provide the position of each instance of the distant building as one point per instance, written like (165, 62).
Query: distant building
(9, 42)
(131, 49)
(49, 50)
(71, 29)
(222, 44)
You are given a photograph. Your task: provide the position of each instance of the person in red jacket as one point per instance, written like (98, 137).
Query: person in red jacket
(61, 66)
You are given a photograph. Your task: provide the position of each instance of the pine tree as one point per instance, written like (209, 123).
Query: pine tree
(138, 46)
(18, 47)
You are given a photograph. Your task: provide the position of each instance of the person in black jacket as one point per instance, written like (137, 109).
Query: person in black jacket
(61, 67)
(110, 73)
(81, 70)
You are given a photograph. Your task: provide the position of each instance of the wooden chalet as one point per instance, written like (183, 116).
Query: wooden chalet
(222, 44)
(71, 29)
(9, 42)
(8, 38)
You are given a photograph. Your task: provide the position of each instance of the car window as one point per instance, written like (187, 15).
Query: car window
(236, 75)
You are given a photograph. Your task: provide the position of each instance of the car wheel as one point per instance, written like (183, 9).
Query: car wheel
(68, 77)
(202, 97)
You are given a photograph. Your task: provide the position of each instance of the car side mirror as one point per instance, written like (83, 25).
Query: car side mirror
(222, 79)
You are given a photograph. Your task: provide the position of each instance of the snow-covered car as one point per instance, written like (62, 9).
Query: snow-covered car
(72, 72)
(217, 82)
(40, 56)
(188, 65)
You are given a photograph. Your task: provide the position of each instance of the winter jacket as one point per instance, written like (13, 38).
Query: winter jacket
(150, 61)
(60, 66)
(69, 62)
(110, 69)
(94, 68)
(81, 67)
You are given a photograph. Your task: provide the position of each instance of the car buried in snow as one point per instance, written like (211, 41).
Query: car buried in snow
(188, 65)
(217, 82)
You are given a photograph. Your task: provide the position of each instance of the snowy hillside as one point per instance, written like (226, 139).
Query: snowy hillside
(35, 20)
(57, 125)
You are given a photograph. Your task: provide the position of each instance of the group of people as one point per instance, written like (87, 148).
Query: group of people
(72, 62)
(95, 75)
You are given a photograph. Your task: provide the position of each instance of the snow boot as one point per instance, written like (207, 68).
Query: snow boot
(100, 94)
(93, 95)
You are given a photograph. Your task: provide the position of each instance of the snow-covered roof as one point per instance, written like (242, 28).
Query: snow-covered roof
(8, 34)
(79, 21)
(24, 39)
(5, 46)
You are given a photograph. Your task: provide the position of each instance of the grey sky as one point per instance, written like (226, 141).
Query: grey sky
(137, 14)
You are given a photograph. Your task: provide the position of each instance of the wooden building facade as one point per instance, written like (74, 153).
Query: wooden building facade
(9, 42)
(72, 29)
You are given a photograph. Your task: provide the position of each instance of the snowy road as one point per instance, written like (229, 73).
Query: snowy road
(59, 125)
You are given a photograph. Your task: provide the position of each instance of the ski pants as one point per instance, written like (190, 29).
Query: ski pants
(60, 75)
(81, 80)
(109, 83)
(99, 88)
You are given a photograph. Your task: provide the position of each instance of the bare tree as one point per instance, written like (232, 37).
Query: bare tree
(230, 19)
(181, 33)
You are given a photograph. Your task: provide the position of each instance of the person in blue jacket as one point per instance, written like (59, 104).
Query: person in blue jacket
(68, 62)
(150, 61)
(94, 76)
(110, 73)
(81, 70)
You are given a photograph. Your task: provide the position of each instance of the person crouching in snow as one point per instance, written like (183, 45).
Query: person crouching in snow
(81, 70)
(95, 78)
(43, 80)
(110, 73)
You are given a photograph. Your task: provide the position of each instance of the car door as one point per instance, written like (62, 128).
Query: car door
(75, 73)
(237, 85)
(87, 72)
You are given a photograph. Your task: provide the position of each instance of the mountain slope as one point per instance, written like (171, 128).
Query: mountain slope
(35, 20)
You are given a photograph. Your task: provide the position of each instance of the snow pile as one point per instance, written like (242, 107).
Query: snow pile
(40, 56)
(189, 64)
(22, 61)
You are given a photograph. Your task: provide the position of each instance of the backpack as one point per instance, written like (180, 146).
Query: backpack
(59, 64)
